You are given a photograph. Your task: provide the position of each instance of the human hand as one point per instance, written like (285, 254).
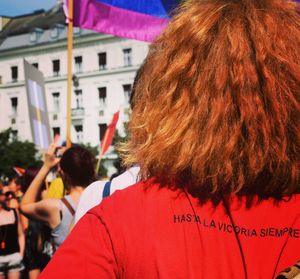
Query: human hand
(50, 159)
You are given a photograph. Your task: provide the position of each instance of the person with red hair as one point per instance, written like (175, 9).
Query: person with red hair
(215, 130)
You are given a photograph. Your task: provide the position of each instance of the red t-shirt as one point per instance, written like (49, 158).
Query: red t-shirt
(146, 231)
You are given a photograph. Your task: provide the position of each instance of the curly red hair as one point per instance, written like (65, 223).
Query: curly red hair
(217, 105)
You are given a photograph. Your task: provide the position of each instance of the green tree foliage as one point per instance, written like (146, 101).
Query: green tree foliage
(102, 170)
(15, 153)
(116, 141)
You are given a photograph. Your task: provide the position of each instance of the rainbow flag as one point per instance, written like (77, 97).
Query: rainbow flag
(134, 19)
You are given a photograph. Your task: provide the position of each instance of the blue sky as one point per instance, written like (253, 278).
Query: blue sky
(20, 7)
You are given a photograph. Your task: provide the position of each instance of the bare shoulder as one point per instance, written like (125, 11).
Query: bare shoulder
(49, 204)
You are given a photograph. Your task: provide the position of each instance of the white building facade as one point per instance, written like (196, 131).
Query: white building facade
(104, 68)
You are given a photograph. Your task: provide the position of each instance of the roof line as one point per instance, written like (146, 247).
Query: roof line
(36, 12)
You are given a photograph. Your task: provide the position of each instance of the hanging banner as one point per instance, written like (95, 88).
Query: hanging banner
(37, 106)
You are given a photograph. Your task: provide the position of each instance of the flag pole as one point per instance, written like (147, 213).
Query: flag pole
(98, 164)
(100, 152)
(69, 85)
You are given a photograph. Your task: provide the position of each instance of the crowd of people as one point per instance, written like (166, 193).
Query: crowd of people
(213, 156)
(36, 219)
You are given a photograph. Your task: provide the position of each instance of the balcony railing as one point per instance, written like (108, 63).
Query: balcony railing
(77, 112)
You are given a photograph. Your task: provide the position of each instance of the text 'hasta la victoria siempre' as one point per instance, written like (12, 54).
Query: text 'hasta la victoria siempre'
(229, 228)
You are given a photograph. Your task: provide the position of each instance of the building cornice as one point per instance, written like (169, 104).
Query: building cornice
(53, 45)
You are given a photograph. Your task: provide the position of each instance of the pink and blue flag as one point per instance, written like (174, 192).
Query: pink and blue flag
(134, 19)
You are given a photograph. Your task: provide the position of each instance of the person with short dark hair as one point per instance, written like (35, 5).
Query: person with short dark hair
(77, 169)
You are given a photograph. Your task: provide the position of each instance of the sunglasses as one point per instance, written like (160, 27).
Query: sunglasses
(8, 195)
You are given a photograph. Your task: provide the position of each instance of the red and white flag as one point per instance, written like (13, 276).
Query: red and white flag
(109, 134)
(19, 171)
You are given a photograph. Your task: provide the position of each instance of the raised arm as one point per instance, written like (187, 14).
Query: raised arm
(42, 210)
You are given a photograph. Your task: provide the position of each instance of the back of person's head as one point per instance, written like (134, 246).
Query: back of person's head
(135, 82)
(78, 165)
(28, 177)
(218, 100)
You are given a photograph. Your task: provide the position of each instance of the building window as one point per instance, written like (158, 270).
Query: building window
(14, 135)
(76, 31)
(79, 133)
(127, 54)
(78, 99)
(35, 65)
(56, 67)
(54, 33)
(102, 60)
(55, 97)
(75, 80)
(33, 37)
(56, 131)
(127, 92)
(14, 73)
(35, 34)
(102, 95)
(78, 64)
(102, 130)
(14, 105)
